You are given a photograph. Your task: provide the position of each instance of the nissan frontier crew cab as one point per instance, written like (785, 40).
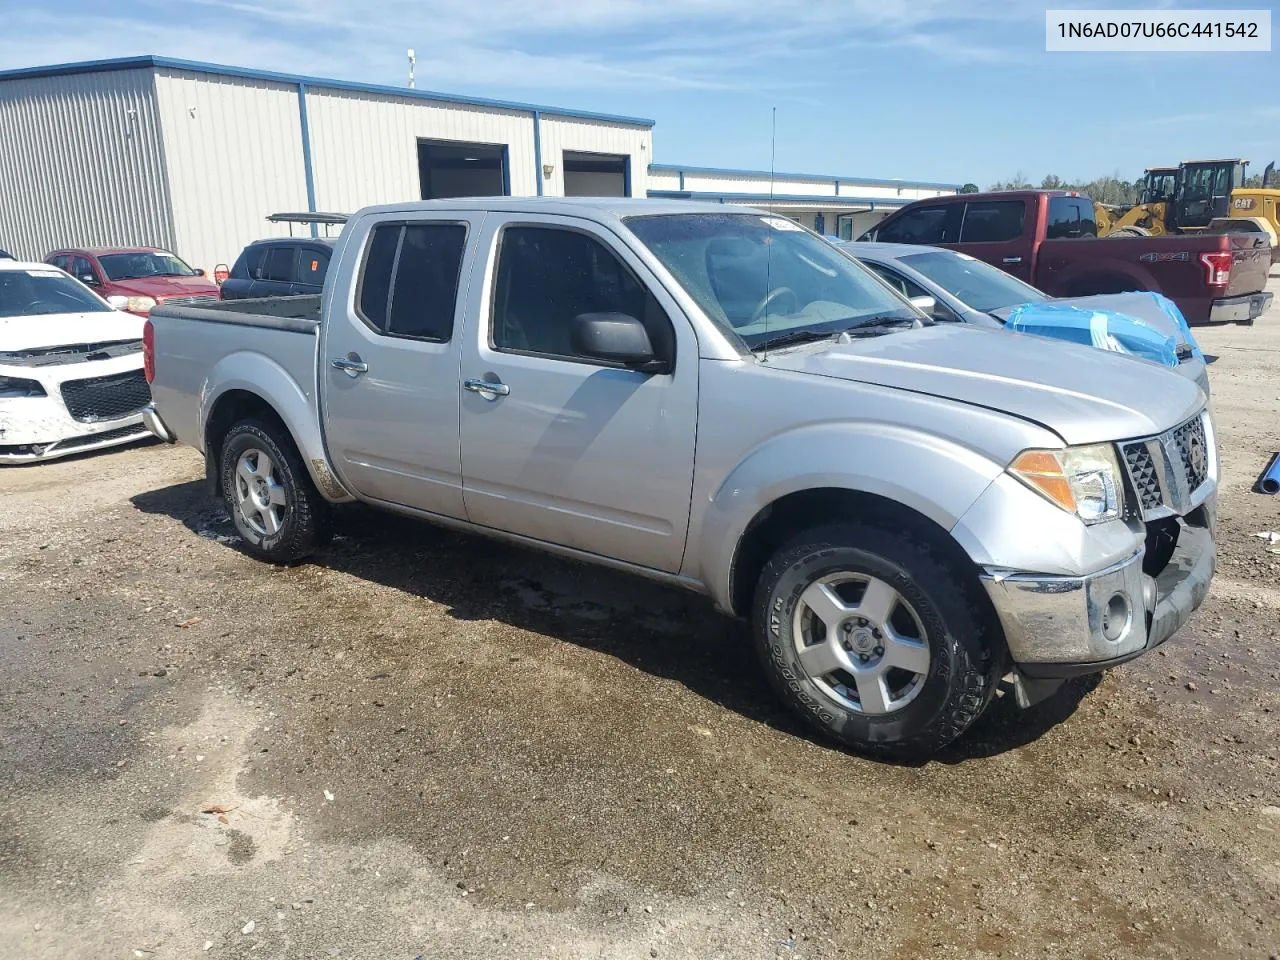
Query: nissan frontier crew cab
(717, 398)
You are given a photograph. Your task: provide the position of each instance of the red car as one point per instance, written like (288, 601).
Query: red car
(136, 278)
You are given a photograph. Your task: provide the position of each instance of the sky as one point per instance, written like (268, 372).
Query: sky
(945, 90)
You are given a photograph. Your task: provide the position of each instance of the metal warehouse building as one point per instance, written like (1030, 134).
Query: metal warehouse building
(192, 157)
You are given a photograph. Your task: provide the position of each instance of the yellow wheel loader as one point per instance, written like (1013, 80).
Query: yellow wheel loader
(1263, 202)
(1180, 199)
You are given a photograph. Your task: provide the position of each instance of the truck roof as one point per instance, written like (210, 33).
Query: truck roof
(567, 206)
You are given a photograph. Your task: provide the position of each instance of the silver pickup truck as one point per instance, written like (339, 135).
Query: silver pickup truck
(717, 398)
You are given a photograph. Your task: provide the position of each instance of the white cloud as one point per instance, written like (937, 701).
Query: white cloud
(510, 45)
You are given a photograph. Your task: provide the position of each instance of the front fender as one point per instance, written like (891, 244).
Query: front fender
(934, 476)
(263, 377)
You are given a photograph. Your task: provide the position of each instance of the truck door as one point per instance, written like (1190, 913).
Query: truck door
(563, 448)
(1000, 232)
(389, 362)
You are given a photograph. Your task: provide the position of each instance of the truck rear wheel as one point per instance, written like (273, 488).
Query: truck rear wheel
(269, 495)
(871, 638)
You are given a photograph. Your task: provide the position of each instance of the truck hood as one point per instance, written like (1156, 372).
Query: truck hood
(1081, 394)
(163, 287)
(60, 329)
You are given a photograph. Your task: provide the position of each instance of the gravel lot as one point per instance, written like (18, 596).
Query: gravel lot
(431, 745)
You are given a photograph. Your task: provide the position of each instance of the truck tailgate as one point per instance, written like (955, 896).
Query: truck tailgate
(1250, 264)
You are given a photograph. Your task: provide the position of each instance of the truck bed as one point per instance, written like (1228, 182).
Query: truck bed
(1078, 266)
(272, 341)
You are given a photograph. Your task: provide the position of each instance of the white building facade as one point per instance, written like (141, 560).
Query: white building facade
(841, 206)
(193, 157)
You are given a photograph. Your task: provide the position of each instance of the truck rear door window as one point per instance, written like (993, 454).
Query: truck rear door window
(1070, 218)
(409, 287)
(313, 264)
(992, 221)
(937, 224)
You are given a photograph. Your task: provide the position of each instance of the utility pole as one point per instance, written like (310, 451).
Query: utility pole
(412, 60)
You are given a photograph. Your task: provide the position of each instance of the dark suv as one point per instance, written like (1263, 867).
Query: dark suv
(280, 267)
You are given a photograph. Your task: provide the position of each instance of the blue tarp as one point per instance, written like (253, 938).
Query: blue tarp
(1151, 326)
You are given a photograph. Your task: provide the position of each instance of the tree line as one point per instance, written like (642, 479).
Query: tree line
(1114, 189)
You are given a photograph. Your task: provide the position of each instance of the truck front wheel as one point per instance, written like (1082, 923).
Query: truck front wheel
(269, 495)
(871, 638)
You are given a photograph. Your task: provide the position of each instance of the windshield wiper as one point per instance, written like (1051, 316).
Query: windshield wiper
(793, 337)
(879, 320)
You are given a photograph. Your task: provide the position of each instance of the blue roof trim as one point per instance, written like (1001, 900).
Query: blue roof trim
(195, 66)
(868, 181)
(764, 198)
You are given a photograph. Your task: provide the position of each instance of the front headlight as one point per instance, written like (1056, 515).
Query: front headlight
(132, 304)
(1081, 480)
(11, 387)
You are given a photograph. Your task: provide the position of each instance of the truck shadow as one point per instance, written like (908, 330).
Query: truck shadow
(661, 630)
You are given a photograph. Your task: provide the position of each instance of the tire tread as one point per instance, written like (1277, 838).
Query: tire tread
(978, 656)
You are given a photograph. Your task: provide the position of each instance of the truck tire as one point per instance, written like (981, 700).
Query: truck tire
(870, 637)
(276, 508)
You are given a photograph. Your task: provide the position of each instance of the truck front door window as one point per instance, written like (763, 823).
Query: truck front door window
(924, 225)
(547, 276)
(278, 265)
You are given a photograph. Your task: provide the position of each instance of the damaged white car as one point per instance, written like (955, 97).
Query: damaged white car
(71, 369)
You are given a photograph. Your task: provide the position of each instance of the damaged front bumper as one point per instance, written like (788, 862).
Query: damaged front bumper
(1058, 627)
(41, 426)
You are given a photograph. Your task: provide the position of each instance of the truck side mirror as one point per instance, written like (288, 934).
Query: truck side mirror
(616, 338)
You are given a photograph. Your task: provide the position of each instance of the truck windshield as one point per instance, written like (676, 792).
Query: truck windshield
(31, 293)
(134, 266)
(763, 276)
(972, 282)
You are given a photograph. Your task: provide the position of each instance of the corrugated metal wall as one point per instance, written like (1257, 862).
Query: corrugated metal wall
(594, 136)
(81, 163)
(233, 149)
(364, 147)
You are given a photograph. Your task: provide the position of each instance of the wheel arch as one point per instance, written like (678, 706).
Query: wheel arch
(242, 397)
(1113, 279)
(788, 515)
(851, 468)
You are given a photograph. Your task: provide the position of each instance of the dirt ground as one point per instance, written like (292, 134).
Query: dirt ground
(429, 745)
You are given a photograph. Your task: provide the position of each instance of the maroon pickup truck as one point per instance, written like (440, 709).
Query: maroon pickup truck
(1049, 239)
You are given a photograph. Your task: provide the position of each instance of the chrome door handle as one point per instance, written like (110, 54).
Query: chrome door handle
(497, 388)
(351, 366)
(1012, 260)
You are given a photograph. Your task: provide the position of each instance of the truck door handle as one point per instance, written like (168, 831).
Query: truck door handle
(482, 387)
(352, 366)
(1012, 260)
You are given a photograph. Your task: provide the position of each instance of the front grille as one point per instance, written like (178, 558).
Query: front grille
(106, 398)
(1142, 471)
(199, 298)
(1166, 471)
(1191, 452)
